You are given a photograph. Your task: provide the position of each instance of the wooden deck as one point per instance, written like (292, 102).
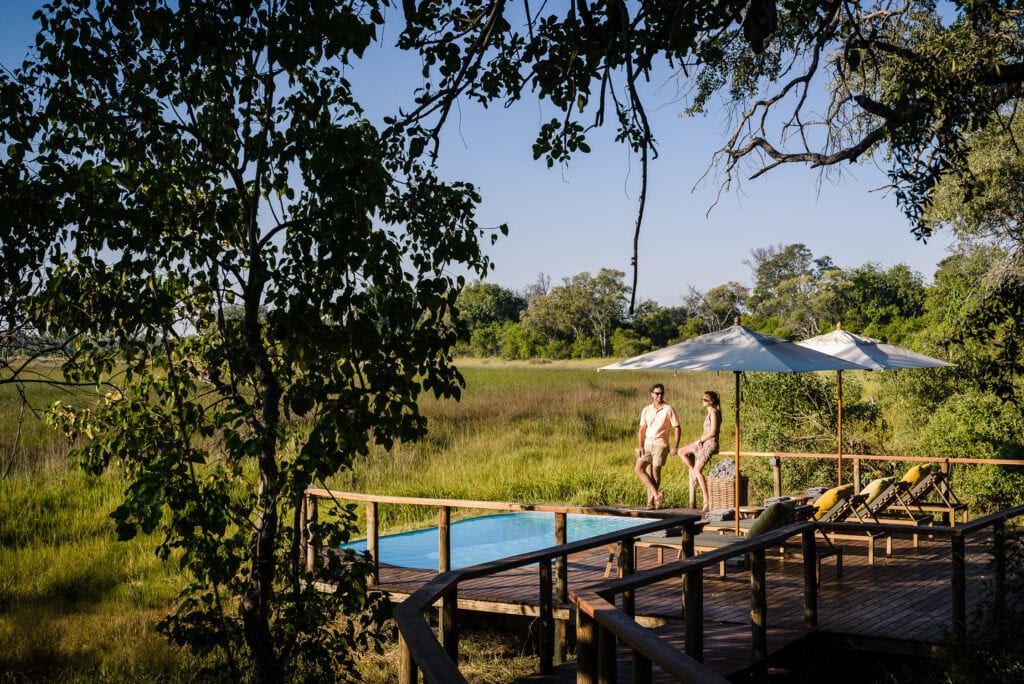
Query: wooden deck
(904, 598)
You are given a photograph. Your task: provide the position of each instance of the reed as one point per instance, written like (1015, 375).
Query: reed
(77, 605)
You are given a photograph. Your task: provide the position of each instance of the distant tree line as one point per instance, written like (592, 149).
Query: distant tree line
(794, 295)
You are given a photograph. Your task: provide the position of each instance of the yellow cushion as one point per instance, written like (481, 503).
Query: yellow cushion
(775, 515)
(829, 499)
(914, 475)
(875, 488)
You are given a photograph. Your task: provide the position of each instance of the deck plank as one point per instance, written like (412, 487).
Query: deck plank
(905, 596)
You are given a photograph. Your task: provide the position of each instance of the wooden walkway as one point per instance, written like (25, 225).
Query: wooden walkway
(905, 598)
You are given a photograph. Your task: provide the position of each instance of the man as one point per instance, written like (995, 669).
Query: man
(652, 443)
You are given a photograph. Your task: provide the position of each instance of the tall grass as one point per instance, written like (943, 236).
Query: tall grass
(556, 433)
(77, 605)
(26, 442)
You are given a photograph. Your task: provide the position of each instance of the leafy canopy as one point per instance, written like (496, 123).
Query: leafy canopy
(257, 278)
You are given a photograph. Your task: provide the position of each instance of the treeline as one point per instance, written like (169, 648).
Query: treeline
(970, 314)
(794, 295)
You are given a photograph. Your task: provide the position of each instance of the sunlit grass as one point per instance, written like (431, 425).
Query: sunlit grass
(77, 605)
(486, 656)
(555, 433)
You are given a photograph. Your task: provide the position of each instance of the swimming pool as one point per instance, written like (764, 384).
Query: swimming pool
(490, 537)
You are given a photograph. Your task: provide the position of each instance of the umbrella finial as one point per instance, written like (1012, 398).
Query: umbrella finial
(736, 321)
(839, 325)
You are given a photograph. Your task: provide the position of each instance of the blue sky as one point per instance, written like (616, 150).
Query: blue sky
(567, 220)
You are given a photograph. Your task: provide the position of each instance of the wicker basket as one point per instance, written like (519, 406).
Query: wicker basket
(721, 492)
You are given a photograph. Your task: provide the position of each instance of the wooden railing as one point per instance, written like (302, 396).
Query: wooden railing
(444, 521)
(956, 535)
(600, 625)
(776, 459)
(437, 659)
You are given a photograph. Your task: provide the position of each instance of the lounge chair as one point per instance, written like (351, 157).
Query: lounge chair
(773, 517)
(926, 483)
(840, 504)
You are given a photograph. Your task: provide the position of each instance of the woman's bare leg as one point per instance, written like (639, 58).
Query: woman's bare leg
(702, 481)
(686, 454)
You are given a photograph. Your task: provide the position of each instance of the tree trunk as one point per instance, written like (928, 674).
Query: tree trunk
(258, 595)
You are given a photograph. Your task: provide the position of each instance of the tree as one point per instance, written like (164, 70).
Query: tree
(659, 325)
(883, 303)
(907, 83)
(583, 306)
(167, 161)
(797, 412)
(904, 83)
(980, 289)
(715, 309)
(484, 304)
(807, 305)
(771, 266)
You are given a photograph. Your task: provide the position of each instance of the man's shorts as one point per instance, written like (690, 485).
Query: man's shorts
(655, 454)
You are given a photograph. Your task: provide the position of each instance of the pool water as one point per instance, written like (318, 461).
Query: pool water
(490, 537)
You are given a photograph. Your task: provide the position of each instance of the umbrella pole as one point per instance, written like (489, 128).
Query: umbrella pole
(736, 486)
(839, 392)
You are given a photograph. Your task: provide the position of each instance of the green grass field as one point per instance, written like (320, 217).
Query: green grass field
(559, 432)
(76, 605)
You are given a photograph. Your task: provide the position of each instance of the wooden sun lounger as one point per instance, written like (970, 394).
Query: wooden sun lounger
(948, 504)
(713, 541)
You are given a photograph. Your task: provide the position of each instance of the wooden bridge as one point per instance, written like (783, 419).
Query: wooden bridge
(681, 621)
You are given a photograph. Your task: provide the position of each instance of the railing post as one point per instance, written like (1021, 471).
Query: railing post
(944, 493)
(693, 613)
(311, 517)
(546, 634)
(406, 665)
(626, 561)
(643, 673)
(372, 539)
(446, 615)
(758, 604)
(776, 464)
(693, 600)
(999, 564)
(561, 590)
(607, 657)
(810, 551)
(856, 475)
(688, 540)
(444, 538)
(447, 625)
(586, 649)
(959, 586)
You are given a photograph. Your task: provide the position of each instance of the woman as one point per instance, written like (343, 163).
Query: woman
(697, 454)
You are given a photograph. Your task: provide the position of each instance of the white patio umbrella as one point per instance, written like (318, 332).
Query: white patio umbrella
(869, 353)
(735, 349)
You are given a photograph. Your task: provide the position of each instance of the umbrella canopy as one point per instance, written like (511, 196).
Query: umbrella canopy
(869, 353)
(735, 349)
